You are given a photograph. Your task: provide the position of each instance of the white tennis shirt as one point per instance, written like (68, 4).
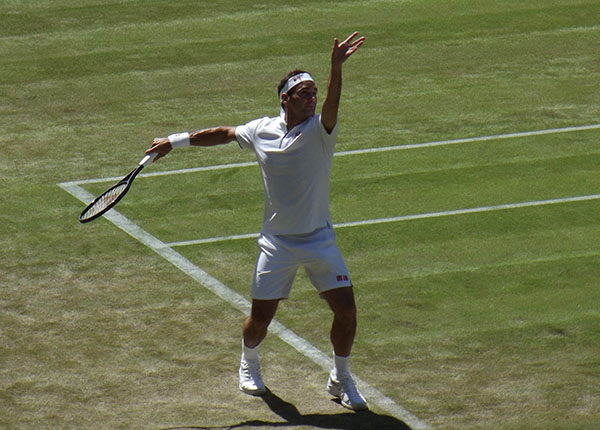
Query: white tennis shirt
(296, 167)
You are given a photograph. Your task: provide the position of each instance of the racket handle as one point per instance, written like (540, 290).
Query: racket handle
(147, 159)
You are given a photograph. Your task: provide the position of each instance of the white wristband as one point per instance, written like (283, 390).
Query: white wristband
(178, 140)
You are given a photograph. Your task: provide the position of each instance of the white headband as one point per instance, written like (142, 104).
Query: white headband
(295, 80)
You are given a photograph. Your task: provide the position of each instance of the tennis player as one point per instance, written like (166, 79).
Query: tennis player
(294, 152)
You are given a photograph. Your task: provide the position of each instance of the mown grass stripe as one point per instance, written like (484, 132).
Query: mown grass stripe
(357, 152)
(407, 218)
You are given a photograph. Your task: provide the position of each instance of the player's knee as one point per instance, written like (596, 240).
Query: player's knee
(341, 302)
(346, 313)
(260, 322)
(262, 314)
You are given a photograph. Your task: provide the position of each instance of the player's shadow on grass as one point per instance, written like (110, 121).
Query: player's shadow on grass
(363, 420)
(366, 420)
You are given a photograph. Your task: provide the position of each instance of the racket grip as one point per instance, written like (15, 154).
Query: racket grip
(147, 159)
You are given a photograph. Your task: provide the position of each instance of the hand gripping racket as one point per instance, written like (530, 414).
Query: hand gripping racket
(114, 194)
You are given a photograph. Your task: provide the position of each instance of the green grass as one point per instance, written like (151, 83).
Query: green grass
(479, 321)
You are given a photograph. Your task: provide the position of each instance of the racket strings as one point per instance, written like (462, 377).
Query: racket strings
(105, 200)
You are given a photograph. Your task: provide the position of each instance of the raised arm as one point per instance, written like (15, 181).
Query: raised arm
(339, 54)
(206, 137)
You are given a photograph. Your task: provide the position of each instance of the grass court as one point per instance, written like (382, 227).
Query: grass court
(473, 240)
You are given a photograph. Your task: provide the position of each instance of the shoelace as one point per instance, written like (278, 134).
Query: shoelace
(348, 386)
(251, 369)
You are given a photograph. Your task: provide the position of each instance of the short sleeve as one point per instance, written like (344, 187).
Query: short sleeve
(246, 134)
(328, 138)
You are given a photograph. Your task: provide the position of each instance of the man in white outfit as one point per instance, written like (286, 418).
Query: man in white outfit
(294, 151)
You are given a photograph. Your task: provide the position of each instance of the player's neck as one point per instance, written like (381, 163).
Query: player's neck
(292, 120)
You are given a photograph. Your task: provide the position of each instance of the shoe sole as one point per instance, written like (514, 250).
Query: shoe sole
(355, 408)
(258, 392)
(335, 392)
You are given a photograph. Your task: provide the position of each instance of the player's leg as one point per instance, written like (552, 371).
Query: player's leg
(343, 329)
(272, 281)
(254, 331)
(328, 273)
(256, 325)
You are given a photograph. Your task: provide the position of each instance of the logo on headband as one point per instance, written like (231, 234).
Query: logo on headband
(295, 80)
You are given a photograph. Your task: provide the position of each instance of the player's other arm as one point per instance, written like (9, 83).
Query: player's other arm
(212, 136)
(339, 54)
(205, 137)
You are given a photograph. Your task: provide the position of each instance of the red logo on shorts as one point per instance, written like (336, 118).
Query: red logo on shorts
(341, 278)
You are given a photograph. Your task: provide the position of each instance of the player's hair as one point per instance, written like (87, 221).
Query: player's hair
(285, 79)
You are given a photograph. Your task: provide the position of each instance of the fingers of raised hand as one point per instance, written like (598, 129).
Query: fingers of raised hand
(348, 45)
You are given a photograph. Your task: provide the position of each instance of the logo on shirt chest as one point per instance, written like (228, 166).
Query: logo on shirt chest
(289, 139)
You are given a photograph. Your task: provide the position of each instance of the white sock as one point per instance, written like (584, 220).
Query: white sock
(341, 365)
(249, 353)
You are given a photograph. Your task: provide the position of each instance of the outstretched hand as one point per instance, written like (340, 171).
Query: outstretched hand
(160, 147)
(342, 51)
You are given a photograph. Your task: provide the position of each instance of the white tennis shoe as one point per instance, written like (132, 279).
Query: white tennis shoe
(344, 388)
(250, 380)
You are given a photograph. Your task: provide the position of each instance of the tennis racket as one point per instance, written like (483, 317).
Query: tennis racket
(114, 194)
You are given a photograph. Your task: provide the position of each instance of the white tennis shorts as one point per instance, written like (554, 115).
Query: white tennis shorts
(280, 257)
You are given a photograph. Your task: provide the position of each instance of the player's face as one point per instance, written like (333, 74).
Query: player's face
(303, 100)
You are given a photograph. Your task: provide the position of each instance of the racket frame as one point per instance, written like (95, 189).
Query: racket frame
(127, 179)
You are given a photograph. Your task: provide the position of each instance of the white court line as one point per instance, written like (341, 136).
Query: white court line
(405, 218)
(474, 139)
(213, 239)
(472, 210)
(237, 301)
(360, 151)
